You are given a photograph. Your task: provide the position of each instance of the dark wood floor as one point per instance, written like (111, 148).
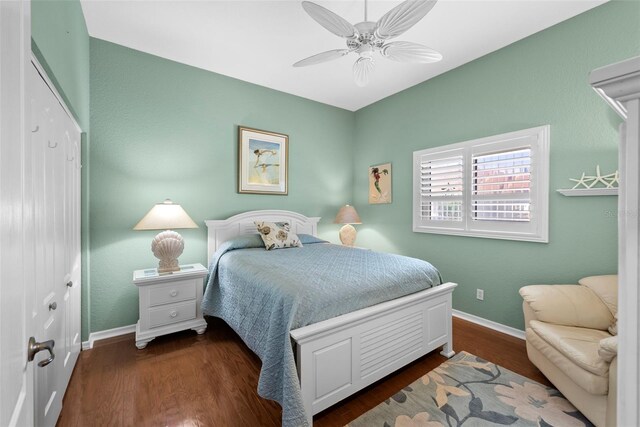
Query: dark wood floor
(210, 380)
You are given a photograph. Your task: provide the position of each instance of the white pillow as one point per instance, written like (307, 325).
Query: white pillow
(277, 235)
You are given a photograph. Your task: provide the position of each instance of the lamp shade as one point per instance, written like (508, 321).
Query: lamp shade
(347, 215)
(165, 216)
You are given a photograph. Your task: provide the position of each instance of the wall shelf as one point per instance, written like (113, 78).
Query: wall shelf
(572, 192)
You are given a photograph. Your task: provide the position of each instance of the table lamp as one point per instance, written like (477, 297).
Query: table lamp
(168, 245)
(347, 215)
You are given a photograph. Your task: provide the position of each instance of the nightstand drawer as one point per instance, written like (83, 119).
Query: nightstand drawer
(183, 290)
(169, 303)
(173, 313)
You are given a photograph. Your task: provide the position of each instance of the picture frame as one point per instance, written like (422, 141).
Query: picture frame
(380, 184)
(263, 162)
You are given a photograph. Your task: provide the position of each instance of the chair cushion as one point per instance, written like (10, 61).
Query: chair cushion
(606, 288)
(580, 345)
(569, 305)
(588, 381)
(613, 328)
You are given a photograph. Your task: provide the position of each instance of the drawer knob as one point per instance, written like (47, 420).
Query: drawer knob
(173, 293)
(173, 313)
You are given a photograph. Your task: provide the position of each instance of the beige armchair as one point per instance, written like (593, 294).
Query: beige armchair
(571, 338)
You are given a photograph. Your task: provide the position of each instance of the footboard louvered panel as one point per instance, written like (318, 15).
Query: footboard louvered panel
(382, 345)
(342, 355)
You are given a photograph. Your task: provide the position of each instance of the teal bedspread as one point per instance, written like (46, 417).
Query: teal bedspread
(264, 294)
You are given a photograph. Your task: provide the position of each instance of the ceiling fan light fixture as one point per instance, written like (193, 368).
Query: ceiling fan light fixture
(362, 71)
(365, 51)
(367, 37)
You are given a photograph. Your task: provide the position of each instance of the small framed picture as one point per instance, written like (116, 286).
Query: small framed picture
(262, 162)
(380, 184)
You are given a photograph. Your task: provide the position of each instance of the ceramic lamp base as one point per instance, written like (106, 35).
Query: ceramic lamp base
(348, 235)
(167, 246)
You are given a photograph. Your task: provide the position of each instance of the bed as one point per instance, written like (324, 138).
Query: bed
(325, 361)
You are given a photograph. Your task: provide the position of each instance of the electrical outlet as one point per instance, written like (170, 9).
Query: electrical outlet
(480, 294)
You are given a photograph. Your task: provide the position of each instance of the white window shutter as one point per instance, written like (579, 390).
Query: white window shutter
(441, 185)
(501, 186)
(495, 187)
(439, 190)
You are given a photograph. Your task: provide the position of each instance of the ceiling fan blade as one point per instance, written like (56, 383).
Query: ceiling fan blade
(409, 52)
(322, 57)
(329, 20)
(362, 71)
(402, 17)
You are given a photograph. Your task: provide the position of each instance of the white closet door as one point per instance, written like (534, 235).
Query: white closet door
(70, 283)
(45, 143)
(57, 259)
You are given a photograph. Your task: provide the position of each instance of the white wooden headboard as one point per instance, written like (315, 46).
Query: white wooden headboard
(219, 231)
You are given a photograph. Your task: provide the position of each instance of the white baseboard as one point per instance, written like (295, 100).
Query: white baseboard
(489, 324)
(108, 333)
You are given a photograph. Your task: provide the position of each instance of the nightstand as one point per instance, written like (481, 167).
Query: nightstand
(169, 302)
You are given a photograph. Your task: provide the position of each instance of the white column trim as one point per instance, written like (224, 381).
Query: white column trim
(619, 85)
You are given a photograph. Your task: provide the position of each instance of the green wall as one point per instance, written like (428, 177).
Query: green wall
(60, 42)
(539, 80)
(162, 129)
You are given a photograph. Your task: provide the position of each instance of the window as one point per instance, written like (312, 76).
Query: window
(496, 187)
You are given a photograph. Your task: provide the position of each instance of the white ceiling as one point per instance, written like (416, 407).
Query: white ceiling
(257, 41)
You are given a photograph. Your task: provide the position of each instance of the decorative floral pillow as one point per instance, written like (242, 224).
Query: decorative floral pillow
(277, 235)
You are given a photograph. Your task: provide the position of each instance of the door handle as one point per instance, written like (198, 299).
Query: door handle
(36, 347)
(69, 284)
(53, 306)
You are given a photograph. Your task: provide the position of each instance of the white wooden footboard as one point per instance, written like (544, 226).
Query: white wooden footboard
(340, 356)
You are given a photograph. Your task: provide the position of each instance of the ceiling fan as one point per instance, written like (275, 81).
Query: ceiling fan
(367, 38)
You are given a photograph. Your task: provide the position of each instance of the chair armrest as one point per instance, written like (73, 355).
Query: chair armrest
(569, 305)
(608, 348)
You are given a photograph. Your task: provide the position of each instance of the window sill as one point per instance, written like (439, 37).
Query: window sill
(484, 234)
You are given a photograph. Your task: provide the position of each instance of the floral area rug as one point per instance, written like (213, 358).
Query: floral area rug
(469, 391)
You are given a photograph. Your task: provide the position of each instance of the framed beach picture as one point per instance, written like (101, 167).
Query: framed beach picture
(263, 161)
(380, 184)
